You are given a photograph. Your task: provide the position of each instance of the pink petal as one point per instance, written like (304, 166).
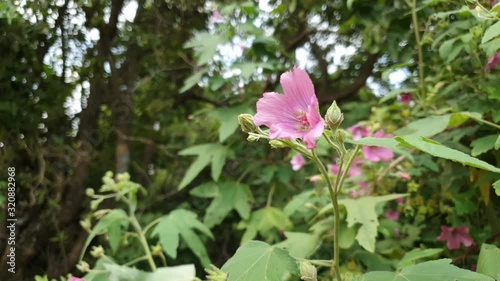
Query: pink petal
(297, 161)
(453, 243)
(392, 215)
(299, 87)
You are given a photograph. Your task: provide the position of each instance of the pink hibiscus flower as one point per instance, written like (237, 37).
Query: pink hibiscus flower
(493, 62)
(355, 170)
(297, 161)
(455, 236)
(378, 153)
(405, 98)
(293, 115)
(75, 279)
(215, 18)
(358, 131)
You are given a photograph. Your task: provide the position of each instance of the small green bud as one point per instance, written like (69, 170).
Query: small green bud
(334, 116)
(246, 123)
(123, 177)
(215, 274)
(97, 252)
(307, 271)
(89, 192)
(341, 135)
(277, 144)
(85, 224)
(156, 250)
(252, 138)
(83, 266)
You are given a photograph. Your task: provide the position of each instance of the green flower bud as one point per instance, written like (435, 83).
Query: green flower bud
(215, 274)
(334, 116)
(277, 144)
(123, 177)
(252, 138)
(341, 135)
(307, 271)
(83, 266)
(156, 250)
(97, 252)
(85, 224)
(246, 123)
(89, 192)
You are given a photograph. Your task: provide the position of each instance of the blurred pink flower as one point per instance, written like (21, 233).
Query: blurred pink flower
(493, 62)
(455, 236)
(493, 3)
(405, 98)
(292, 115)
(315, 178)
(297, 161)
(378, 153)
(355, 170)
(392, 214)
(358, 131)
(400, 200)
(75, 279)
(404, 176)
(215, 17)
(362, 191)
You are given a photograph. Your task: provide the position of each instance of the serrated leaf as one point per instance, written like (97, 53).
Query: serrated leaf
(489, 261)
(256, 260)
(192, 80)
(205, 45)
(266, 221)
(363, 211)
(492, 32)
(115, 220)
(439, 150)
(438, 270)
(300, 245)
(182, 223)
(228, 118)
(228, 196)
(483, 144)
(210, 153)
(426, 127)
(412, 257)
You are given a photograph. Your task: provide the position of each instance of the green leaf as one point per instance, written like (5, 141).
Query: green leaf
(182, 223)
(205, 45)
(107, 270)
(492, 32)
(209, 153)
(497, 143)
(228, 118)
(192, 80)
(438, 270)
(483, 144)
(412, 257)
(384, 142)
(300, 245)
(496, 186)
(426, 127)
(439, 150)
(491, 47)
(265, 221)
(363, 211)
(445, 48)
(114, 221)
(256, 260)
(228, 196)
(489, 261)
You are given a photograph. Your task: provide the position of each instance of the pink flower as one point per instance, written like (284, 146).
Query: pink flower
(378, 153)
(75, 279)
(405, 98)
(493, 62)
(215, 17)
(363, 190)
(292, 115)
(393, 215)
(355, 170)
(455, 236)
(315, 178)
(358, 131)
(297, 161)
(400, 200)
(404, 176)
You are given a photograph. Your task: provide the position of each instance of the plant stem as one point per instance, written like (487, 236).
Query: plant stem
(270, 196)
(140, 232)
(421, 84)
(333, 198)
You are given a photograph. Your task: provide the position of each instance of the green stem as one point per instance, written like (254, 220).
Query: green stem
(343, 175)
(135, 261)
(140, 232)
(151, 224)
(333, 197)
(270, 196)
(421, 84)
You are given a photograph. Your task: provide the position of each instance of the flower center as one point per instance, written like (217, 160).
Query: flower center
(303, 122)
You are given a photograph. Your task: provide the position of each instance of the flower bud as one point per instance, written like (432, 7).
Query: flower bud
(89, 192)
(85, 224)
(308, 271)
(334, 116)
(246, 123)
(277, 144)
(83, 266)
(156, 250)
(341, 135)
(123, 177)
(215, 274)
(252, 138)
(97, 252)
